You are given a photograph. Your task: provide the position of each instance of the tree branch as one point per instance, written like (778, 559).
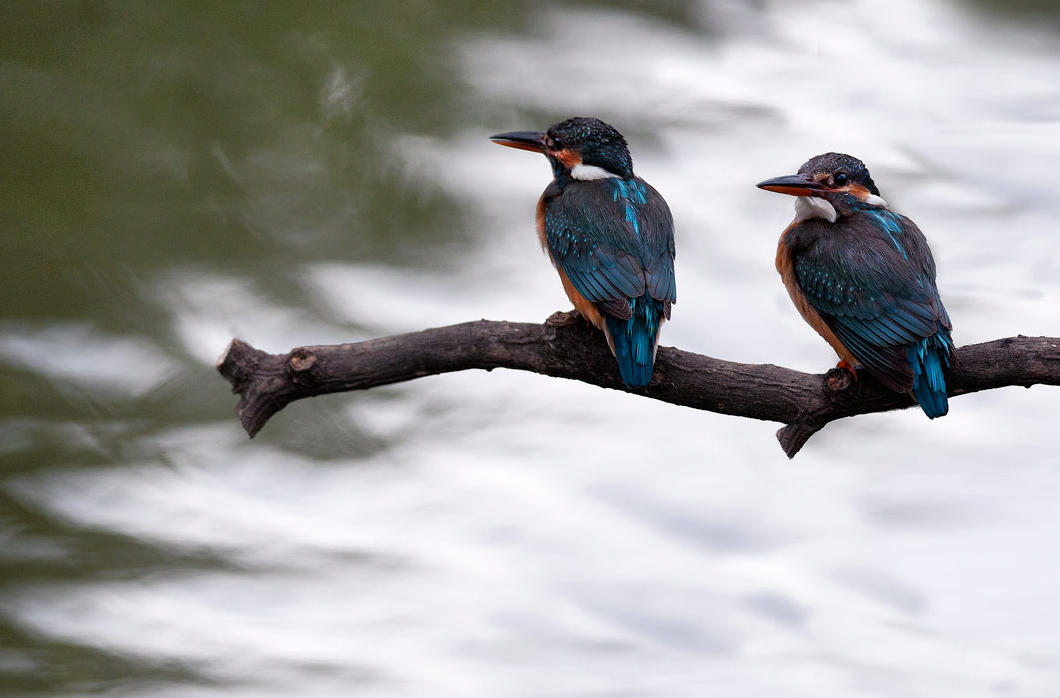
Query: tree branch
(566, 347)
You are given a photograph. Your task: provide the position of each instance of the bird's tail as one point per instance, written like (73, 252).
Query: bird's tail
(928, 358)
(634, 340)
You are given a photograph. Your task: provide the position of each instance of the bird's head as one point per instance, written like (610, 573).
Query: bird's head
(585, 148)
(829, 186)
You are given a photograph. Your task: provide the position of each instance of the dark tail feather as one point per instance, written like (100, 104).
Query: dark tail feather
(633, 340)
(928, 357)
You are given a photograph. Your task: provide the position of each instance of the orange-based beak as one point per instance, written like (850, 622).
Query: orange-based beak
(533, 141)
(796, 185)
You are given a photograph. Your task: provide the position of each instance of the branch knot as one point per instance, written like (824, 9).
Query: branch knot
(301, 359)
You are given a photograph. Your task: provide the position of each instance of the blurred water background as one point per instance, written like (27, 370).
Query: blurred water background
(178, 173)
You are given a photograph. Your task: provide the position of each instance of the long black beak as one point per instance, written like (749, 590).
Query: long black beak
(796, 185)
(524, 140)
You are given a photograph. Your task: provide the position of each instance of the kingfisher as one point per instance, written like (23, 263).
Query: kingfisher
(610, 236)
(864, 278)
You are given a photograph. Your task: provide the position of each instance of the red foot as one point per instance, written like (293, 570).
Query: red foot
(848, 367)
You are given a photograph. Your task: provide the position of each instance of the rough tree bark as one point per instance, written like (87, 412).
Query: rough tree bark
(565, 347)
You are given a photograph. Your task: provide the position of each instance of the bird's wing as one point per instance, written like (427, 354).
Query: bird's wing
(613, 239)
(874, 286)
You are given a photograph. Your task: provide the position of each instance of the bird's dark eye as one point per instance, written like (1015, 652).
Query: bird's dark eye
(552, 143)
(840, 178)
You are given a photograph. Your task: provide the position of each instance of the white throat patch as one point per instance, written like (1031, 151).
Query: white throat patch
(876, 200)
(587, 172)
(807, 207)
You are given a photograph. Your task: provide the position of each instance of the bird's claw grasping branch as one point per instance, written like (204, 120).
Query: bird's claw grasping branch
(565, 347)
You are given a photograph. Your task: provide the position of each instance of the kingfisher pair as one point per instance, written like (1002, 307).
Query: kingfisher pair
(861, 275)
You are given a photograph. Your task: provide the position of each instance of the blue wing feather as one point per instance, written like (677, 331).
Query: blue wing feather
(872, 280)
(614, 240)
